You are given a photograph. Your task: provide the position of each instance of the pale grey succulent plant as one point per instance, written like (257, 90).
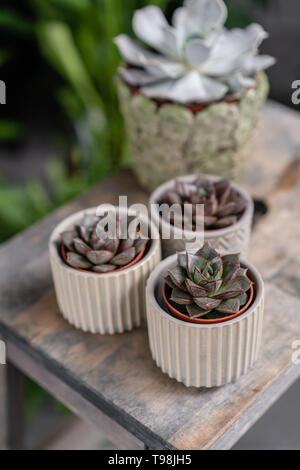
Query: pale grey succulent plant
(194, 60)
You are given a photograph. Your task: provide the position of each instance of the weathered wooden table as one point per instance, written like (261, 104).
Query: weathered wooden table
(112, 381)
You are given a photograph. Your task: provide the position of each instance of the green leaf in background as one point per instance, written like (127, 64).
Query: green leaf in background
(21, 206)
(10, 131)
(57, 43)
(13, 22)
(4, 56)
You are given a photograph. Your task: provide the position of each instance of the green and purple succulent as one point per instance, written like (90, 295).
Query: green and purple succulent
(207, 285)
(87, 250)
(223, 205)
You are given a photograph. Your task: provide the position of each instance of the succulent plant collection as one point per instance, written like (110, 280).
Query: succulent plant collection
(89, 248)
(195, 59)
(208, 285)
(223, 205)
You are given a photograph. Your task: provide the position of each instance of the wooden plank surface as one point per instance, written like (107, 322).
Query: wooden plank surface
(76, 402)
(116, 374)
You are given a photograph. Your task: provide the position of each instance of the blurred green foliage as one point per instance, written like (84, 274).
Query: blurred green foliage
(76, 38)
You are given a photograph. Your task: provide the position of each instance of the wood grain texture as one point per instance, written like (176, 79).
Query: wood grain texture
(76, 402)
(116, 375)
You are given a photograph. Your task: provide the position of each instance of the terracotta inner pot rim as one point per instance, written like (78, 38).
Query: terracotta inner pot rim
(135, 261)
(250, 301)
(154, 284)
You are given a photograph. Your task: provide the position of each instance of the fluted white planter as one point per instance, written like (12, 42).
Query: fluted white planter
(101, 303)
(234, 239)
(203, 355)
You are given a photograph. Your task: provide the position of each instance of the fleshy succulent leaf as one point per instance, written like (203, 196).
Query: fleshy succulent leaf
(170, 283)
(209, 221)
(231, 258)
(195, 290)
(182, 260)
(227, 210)
(212, 286)
(171, 197)
(230, 306)
(206, 303)
(223, 191)
(99, 257)
(126, 244)
(90, 220)
(78, 261)
(68, 239)
(229, 291)
(242, 272)
(207, 252)
(196, 312)
(244, 282)
(112, 245)
(140, 244)
(198, 275)
(217, 266)
(97, 243)
(230, 271)
(85, 233)
(180, 297)
(195, 261)
(178, 276)
(124, 258)
(226, 222)
(243, 298)
(81, 247)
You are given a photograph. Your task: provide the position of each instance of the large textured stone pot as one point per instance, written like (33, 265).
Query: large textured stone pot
(101, 303)
(203, 355)
(233, 239)
(171, 140)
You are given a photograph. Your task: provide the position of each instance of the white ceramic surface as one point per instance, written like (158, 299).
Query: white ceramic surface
(101, 303)
(203, 355)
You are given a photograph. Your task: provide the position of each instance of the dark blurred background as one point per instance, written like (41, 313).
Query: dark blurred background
(60, 129)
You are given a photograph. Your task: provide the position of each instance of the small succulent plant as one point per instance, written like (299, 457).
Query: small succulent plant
(208, 285)
(223, 205)
(194, 60)
(86, 250)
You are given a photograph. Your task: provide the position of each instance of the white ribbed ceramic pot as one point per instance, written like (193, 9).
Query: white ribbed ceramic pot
(101, 303)
(203, 355)
(234, 239)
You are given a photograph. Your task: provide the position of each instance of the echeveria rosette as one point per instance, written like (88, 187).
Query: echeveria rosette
(86, 250)
(207, 285)
(223, 205)
(194, 60)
